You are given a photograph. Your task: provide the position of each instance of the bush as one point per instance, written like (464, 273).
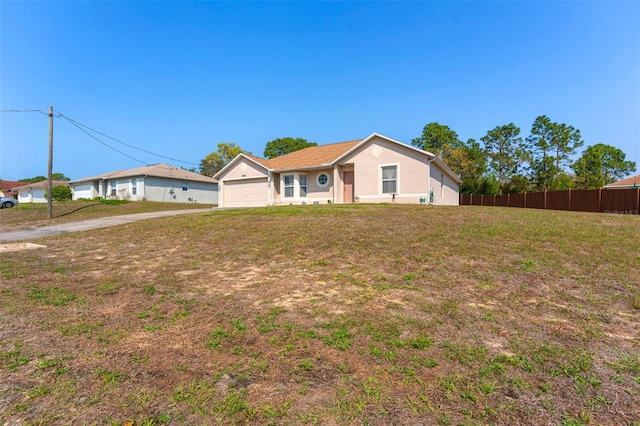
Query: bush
(59, 193)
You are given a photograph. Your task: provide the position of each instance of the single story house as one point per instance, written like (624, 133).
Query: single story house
(34, 192)
(7, 187)
(371, 170)
(630, 182)
(157, 182)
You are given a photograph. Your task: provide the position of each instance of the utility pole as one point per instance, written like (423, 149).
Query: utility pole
(50, 185)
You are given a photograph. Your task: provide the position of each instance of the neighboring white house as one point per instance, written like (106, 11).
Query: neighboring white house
(157, 182)
(34, 192)
(371, 170)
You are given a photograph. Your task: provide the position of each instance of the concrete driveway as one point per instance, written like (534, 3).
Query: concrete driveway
(84, 225)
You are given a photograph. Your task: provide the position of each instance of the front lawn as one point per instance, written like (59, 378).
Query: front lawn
(329, 314)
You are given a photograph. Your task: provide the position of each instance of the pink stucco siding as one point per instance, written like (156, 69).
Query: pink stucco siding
(411, 167)
(244, 168)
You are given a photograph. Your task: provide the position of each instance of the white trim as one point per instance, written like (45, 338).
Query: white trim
(284, 186)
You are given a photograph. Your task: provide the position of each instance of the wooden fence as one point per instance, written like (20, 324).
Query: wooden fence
(622, 201)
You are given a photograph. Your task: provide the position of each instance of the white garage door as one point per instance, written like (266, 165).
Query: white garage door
(245, 193)
(82, 191)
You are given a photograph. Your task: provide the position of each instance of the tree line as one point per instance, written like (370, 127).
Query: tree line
(507, 163)
(503, 162)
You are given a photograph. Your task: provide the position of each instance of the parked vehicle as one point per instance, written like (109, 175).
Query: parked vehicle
(6, 202)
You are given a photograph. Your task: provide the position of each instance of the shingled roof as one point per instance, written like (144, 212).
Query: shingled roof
(313, 156)
(155, 170)
(628, 182)
(42, 184)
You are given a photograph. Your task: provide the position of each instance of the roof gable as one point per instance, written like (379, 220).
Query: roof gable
(257, 160)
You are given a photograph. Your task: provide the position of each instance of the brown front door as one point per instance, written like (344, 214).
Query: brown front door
(348, 187)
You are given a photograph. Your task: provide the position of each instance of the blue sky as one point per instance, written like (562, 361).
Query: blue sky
(177, 78)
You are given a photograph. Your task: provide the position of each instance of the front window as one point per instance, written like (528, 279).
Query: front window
(303, 185)
(113, 189)
(323, 179)
(389, 179)
(134, 186)
(288, 186)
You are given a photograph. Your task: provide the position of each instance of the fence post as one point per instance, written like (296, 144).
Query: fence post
(545, 199)
(638, 200)
(508, 200)
(525, 199)
(494, 200)
(482, 200)
(569, 199)
(600, 200)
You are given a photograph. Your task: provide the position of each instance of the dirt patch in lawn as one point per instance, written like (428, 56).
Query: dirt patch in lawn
(19, 247)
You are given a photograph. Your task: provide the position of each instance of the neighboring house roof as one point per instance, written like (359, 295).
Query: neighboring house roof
(325, 156)
(625, 183)
(154, 170)
(9, 185)
(42, 184)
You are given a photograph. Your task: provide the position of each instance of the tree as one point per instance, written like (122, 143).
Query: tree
(600, 165)
(506, 152)
(59, 176)
(282, 146)
(518, 184)
(54, 176)
(539, 143)
(552, 145)
(438, 139)
(565, 143)
(470, 163)
(214, 162)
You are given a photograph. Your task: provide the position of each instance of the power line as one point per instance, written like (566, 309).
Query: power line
(103, 143)
(80, 126)
(24, 110)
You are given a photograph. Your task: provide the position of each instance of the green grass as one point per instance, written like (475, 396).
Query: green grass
(362, 314)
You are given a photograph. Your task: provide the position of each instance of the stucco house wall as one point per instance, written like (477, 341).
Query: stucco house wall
(173, 191)
(246, 169)
(444, 189)
(411, 179)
